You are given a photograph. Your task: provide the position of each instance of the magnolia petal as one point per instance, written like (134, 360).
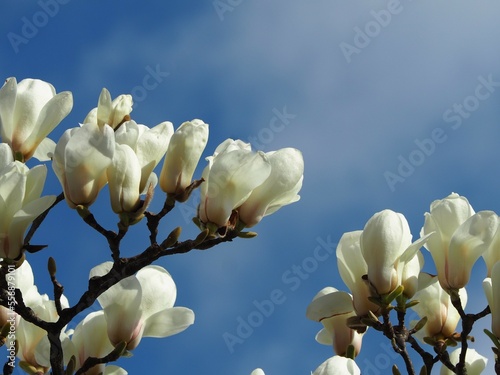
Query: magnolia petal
(45, 150)
(157, 288)
(287, 171)
(90, 337)
(23, 218)
(168, 322)
(324, 337)
(332, 303)
(151, 147)
(8, 95)
(114, 370)
(104, 108)
(470, 240)
(338, 365)
(257, 371)
(124, 177)
(128, 134)
(6, 156)
(35, 180)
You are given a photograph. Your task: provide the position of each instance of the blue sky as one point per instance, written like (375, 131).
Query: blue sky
(359, 87)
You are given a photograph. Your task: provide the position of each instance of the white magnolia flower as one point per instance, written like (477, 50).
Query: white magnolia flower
(278, 190)
(491, 286)
(113, 113)
(90, 339)
(435, 304)
(81, 158)
(475, 363)
(352, 267)
(387, 248)
(458, 237)
(20, 204)
(257, 371)
(138, 151)
(142, 305)
(233, 172)
(184, 152)
(491, 256)
(332, 308)
(29, 111)
(338, 365)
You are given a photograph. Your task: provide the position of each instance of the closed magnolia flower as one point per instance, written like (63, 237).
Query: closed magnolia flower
(491, 286)
(138, 151)
(20, 204)
(475, 363)
(90, 339)
(80, 160)
(231, 175)
(436, 305)
(111, 112)
(352, 267)
(387, 248)
(338, 365)
(142, 305)
(257, 371)
(332, 308)
(458, 237)
(278, 190)
(184, 152)
(29, 111)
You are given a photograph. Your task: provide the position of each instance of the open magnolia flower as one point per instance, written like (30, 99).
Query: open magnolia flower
(338, 365)
(278, 190)
(111, 112)
(183, 154)
(20, 202)
(332, 308)
(142, 305)
(80, 160)
(90, 339)
(233, 172)
(458, 237)
(138, 151)
(29, 111)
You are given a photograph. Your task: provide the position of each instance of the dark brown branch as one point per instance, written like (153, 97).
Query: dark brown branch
(154, 219)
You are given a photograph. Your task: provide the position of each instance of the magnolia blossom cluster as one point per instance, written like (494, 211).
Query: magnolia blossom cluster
(131, 310)
(382, 261)
(238, 188)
